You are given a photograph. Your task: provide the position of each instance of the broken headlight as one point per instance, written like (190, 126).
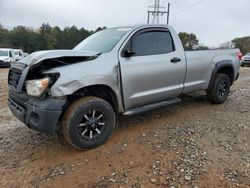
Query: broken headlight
(37, 87)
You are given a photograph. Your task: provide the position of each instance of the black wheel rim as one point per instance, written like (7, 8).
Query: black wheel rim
(92, 125)
(222, 89)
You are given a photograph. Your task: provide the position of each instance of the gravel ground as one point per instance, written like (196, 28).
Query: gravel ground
(192, 144)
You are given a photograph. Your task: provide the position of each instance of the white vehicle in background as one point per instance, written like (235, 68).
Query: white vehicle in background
(18, 54)
(25, 54)
(245, 60)
(7, 56)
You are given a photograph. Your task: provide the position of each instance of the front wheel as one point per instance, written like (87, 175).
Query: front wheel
(88, 123)
(220, 90)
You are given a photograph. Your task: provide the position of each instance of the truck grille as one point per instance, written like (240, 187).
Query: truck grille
(15, 73)
(14, 77)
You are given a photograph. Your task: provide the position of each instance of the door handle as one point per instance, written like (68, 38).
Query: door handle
(175, 60)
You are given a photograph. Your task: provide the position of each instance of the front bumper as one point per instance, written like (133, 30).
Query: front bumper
(39, 114)
(245, 62)
(5, 64)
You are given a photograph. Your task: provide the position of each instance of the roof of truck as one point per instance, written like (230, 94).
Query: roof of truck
(142, 25)
(5, 48)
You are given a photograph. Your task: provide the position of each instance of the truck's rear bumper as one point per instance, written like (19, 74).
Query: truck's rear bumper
(38, 114)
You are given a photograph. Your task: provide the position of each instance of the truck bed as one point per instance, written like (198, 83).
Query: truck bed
(200, 65)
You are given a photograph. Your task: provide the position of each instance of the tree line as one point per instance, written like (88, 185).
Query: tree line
(47, 37)
(191, 42)
(243, 44)
(43, 38)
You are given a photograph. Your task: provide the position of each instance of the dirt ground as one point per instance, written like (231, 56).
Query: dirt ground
(193, 144)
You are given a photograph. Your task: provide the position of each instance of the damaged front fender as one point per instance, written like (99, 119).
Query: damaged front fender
(73, 78)
(103, 70)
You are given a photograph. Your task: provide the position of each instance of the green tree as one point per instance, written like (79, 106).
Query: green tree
(26, 39)
(100, 28)
(243, 44)
(189, 40)
(44, 38)
(201, 47)
(54, 38)
(35, 42)
(2, 29)
(46, 33)
(71, 36)
(4, 37)
(18, 37)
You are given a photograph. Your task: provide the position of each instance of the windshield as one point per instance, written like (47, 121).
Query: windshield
(102, 41)
(4, 53)
(16, 52)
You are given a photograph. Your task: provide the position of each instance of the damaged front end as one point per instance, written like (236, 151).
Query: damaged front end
(34, 66)
(29, 85)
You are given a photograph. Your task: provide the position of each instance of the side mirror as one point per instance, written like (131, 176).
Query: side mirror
(129, 53)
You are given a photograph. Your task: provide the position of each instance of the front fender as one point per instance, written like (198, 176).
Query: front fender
(68, 85)
(78, 76)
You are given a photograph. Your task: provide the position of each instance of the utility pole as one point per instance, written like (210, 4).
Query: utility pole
(156, 11)
(168, 13)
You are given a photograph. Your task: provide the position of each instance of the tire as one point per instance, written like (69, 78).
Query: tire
(88, 123)
(220, 90)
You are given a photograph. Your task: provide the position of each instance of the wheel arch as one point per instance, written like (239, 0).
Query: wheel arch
(225, 67)
(99, 90)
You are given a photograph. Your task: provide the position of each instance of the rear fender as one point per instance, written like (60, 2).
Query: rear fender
(218, 66)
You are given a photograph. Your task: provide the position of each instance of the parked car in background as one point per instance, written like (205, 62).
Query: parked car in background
(245, 60)
(7, 56)
(18, 54)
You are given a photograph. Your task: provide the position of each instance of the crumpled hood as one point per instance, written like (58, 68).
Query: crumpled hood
(39, 56)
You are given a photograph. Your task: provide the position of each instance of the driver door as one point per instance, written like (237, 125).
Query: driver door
(154, 71)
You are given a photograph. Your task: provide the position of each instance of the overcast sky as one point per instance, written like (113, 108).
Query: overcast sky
(213, 21)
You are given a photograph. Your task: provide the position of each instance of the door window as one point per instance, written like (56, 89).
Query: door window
(152, 43)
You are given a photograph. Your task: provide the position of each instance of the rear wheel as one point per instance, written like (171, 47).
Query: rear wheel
(88, 123)
(220, 90)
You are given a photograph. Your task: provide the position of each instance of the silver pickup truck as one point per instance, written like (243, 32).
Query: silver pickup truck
(125, 70)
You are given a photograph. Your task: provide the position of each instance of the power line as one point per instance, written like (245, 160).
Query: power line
(189, 7)
(179, 6)
(178, 3)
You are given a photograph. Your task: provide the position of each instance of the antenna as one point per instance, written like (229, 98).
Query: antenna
(156, 11)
